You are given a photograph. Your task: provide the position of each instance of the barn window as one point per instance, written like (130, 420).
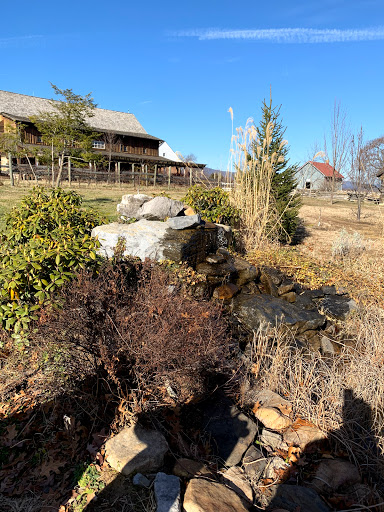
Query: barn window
(98, 144)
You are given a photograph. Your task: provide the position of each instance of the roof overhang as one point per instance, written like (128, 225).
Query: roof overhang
(20, 119)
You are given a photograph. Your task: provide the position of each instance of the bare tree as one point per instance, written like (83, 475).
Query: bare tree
(111, 139)
(374, 161)
(357, 172)
(337, 144)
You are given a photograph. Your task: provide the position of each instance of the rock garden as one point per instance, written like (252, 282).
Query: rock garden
(259, 453)
(178, 377)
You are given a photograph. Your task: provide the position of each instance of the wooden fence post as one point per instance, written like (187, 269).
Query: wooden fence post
(69, 171)
(169, 177)
(190, 177)
(118, 173)
(11, 170)
(133, 174)
(154, 176)
(146, 175)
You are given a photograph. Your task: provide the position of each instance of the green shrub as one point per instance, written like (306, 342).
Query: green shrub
(45, 242)
(213, 204)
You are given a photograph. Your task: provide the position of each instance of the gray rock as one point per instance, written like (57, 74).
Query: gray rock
(272, 440)
(338, 307)
(231, 431)
(184, 222)
(254, 463)
(235, 479)
(216, 272)
(245, 272)
(268, 284)
(141, 481)
(327, 347)
(157, 241)
(294, 497)
(285, 288)
(305, 301)
(136, 449)
(167, 493)
(329, 290)
(142, 239)
(255, 311)
(215, 258)
(207, 496)
(159, 208)
(130, 205)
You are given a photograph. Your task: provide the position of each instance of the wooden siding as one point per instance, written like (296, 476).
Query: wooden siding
(309, 177)
(131, 145)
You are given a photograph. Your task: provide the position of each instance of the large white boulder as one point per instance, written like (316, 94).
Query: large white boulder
(140, 239)
(158, 241)
(160, 208)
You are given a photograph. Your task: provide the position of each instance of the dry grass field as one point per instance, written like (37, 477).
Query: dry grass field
(313, 261)
(324, 221)
(102, 198)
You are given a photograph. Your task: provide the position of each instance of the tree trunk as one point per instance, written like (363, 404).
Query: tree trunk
(53, 165)
(31, 166)
(60, 171)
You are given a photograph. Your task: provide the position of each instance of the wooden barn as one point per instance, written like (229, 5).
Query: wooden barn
(318, 176)
(121, 139)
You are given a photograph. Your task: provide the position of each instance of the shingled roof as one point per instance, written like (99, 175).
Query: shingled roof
(21, 107)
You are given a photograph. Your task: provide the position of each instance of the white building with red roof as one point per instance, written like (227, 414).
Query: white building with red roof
(318, 176)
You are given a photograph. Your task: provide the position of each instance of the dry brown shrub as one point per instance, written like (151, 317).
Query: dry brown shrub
(134, 328)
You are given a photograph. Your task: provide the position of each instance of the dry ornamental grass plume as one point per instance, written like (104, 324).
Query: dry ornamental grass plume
(265, 182)
(252, 192)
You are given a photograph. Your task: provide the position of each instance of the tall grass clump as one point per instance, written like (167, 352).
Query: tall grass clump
(342, 395)
(264, 182)
(253, 181)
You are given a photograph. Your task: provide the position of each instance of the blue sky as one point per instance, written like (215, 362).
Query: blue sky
(179, 66)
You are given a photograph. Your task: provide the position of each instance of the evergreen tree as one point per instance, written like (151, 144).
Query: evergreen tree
(283, 185)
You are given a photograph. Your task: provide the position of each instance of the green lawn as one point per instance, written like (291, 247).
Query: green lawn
(102, 198)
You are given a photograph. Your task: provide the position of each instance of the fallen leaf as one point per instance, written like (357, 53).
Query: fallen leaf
(10, 435)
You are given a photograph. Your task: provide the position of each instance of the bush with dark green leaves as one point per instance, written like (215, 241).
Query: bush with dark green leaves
(213, 204)
(46, 241)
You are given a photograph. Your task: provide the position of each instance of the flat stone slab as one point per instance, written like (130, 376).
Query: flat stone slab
(295, 497)
(167, 493)
(338, 307)
(205, 496)
(231, 431)
(255, 311)
(184, 222)
(136, 449)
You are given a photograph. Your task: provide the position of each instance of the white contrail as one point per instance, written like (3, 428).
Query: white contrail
(289, 35)
(7, 42)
